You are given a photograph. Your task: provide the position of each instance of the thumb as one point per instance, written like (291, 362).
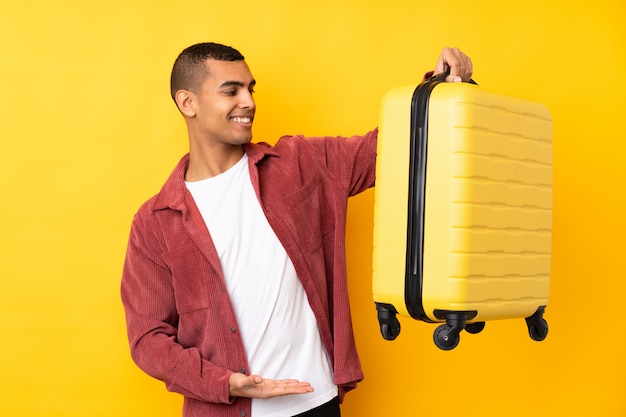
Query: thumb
(441, 66)
(453, 79)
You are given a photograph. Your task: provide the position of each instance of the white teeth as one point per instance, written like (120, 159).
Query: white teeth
(242, 119)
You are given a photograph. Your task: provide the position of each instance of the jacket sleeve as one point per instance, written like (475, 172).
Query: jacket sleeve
(363, 167)
(351, 162)
(151, 320)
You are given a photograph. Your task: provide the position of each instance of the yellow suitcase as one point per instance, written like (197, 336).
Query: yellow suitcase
(463, 210)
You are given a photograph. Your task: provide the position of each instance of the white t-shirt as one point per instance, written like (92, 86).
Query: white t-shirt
(278, 328)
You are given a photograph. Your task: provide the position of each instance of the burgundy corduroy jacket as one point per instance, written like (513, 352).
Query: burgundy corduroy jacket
(181, 324)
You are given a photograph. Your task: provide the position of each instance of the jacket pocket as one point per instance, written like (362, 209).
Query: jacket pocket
(307, 214)
(191, 274)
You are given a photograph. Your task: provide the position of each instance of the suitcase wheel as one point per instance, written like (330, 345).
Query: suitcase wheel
(537, 325)
(389, 331)
(446, 337)
(389, 324)
(475, 328)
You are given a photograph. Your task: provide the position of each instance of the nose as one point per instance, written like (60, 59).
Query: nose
(247, 101)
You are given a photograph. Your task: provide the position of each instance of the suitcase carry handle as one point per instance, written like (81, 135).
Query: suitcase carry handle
(441, 77)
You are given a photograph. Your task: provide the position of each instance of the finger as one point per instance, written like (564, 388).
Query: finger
(454, 79)
(441, 66)
(255, 386)
(470, 71)
(274, 388)
(459, 65)
(240, 381)
(292, 384)
(442, 63)
(462, 65)
(455, 59)
(300, 388)
(450, 61)
(250, 380)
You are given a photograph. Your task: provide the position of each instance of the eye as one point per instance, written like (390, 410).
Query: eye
(251, 90)
(231, 93)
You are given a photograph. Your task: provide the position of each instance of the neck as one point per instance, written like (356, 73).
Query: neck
(208, 163)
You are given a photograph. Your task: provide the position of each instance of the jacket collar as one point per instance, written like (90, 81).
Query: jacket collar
(172, 194)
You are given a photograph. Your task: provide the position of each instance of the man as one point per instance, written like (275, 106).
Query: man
(234, 283)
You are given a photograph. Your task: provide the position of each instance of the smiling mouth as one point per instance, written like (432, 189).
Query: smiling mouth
(242, 120)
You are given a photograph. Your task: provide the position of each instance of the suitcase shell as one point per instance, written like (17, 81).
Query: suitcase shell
(463, 209)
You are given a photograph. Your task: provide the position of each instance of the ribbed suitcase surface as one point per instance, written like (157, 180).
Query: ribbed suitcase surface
(463, 209)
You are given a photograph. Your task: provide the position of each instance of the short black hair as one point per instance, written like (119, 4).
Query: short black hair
(189, 70)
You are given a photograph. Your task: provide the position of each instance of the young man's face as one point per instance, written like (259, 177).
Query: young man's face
(225, 109)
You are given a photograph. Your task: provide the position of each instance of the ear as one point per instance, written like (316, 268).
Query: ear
(185, 100)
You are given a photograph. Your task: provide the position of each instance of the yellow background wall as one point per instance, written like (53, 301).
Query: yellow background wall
(88, 132)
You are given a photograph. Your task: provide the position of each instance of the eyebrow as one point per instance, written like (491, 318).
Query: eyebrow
(237, 84)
